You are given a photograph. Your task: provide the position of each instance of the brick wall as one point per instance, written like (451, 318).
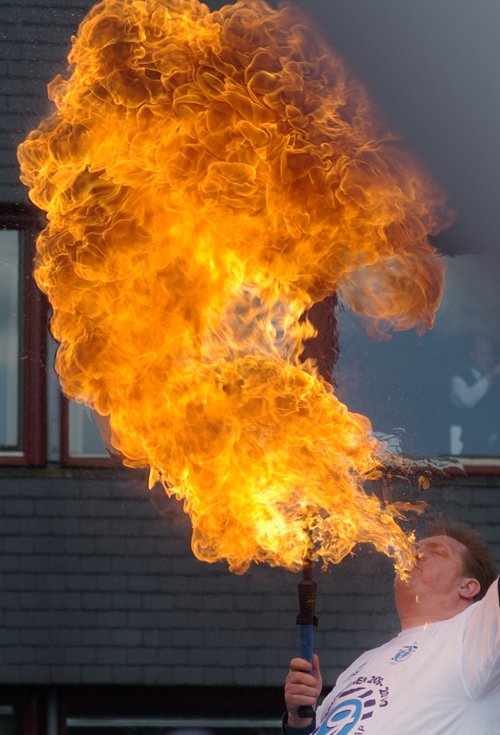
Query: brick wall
(34, 43)
(99, 585)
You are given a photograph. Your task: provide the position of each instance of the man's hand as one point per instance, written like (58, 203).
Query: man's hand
(302, 686)
(494, 373)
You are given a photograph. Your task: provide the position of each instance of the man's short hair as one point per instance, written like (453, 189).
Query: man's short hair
(478, 560)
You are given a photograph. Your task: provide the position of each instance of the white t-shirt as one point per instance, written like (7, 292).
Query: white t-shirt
(437, 679)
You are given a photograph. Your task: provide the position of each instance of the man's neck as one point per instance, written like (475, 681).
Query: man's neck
(416, 614)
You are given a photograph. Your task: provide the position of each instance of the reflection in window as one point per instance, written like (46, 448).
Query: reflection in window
(10, 320)
(436, 394)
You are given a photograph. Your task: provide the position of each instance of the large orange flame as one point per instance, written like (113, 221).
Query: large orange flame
(207, 177)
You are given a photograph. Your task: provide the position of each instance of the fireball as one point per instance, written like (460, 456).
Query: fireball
(207, 177)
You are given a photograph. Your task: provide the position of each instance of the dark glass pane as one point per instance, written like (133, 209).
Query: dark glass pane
(10, 343)
(84, 439)
(407, 385)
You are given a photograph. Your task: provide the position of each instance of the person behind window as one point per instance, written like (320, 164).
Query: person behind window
(475, 398)
(440, 675)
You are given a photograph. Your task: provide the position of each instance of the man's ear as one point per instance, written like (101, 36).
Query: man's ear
(469, 588)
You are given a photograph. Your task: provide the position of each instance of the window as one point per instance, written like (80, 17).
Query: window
(36, 424)
(84, 440)
(406, 385)
(22, 341)
(81, 439)
(172, 726)
(8, 721)
(10, 355)
(174, 710)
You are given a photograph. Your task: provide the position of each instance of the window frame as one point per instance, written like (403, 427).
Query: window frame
(33, 326)
(26, 707)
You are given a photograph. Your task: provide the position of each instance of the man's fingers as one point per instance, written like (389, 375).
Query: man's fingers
(300, 664)
(315, 666)
(303, 684)
(301, 678)
(301, 691)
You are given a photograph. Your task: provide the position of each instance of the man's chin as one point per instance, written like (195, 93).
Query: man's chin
(407, 581)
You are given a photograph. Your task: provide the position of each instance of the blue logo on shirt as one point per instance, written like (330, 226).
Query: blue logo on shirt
(342, 719)
(403, 653)
(353, 705)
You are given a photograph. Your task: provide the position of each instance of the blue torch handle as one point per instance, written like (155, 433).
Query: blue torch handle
(307, 620)
(306, 642)
(306, 651)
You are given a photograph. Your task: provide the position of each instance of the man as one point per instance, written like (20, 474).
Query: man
(440, 675)
(475, 397)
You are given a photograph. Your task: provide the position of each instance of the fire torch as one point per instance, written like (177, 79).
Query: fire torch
(307, 621)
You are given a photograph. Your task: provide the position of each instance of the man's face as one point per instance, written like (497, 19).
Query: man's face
(438, 568)
(483, 356)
